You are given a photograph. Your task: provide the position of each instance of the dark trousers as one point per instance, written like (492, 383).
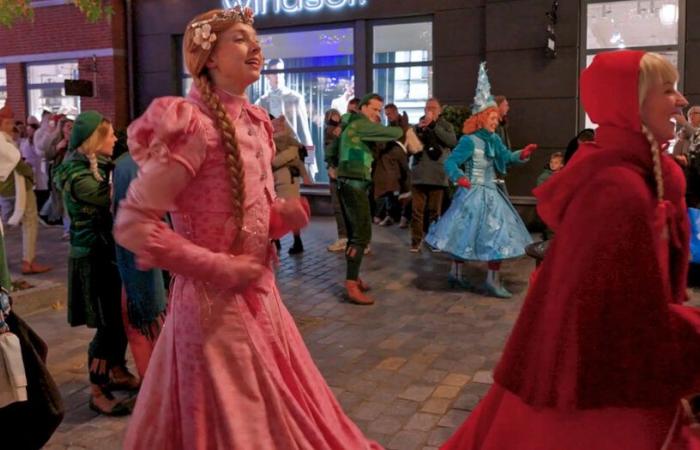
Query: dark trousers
(108, 345)
(337, 210)
(354, 201)
(388, 205)
(424, 196)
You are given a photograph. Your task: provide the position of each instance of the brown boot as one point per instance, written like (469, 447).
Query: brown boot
(355, 294)
(29, 268)
(364, 287)
(102, 401)
(121, 379)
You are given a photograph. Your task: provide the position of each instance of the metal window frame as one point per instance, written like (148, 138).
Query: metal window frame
(33, 86)
(584, 51)
(371, 66)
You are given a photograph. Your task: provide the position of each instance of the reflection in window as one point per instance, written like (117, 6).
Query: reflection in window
(403, 65)
(45, 88)
(649, 25)
(632, 23)
(305, 74)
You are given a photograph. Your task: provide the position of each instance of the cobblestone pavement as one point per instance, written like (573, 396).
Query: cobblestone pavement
(407, 370)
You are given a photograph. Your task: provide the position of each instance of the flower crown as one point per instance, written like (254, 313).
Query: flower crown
(205, 38)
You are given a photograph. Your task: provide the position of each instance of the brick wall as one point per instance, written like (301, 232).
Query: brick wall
(63, 28)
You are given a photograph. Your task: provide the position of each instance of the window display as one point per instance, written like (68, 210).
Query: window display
(45, 88)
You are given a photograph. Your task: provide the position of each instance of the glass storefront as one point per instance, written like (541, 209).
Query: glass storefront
(650, 25)
(402, 65)
(45, 88)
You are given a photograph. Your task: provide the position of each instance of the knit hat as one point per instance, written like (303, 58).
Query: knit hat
(365, 100)
(6, 112)
(85, 124)
(483, 99)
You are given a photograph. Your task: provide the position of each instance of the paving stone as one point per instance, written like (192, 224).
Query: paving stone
(446, 392)
(407, 440)
(386, 425)
(401, 408)
(422, 422)
(484, 377)
(436, 405)
(417, 393)
(453, 418)
(368, 410)
(466, 401)
(393, 363)
(440, 435)
(433, 376)
(455, 379)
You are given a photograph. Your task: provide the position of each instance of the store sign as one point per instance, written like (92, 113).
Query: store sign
(264, 7)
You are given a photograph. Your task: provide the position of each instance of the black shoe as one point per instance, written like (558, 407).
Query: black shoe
(295, 249)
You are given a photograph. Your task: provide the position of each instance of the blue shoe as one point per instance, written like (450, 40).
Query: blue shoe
(496, 290)
(455, 282)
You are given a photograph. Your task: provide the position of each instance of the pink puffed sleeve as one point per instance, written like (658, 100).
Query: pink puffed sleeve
(169, 144)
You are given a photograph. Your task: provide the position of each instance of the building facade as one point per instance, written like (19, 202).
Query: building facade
(321, 52)
(58, 44)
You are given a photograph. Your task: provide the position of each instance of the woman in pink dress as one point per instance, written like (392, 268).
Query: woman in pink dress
(230, 370)
(603, 350)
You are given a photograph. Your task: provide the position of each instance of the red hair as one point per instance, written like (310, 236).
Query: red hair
(478, 120)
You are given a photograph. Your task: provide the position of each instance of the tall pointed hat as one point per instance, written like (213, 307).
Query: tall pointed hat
(483, 98)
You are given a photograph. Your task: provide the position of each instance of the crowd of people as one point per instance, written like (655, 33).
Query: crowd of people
(600, 357)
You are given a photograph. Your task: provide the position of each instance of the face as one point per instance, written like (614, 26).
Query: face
(491, 122)
(695, 117)
(392, 114)
(432, 108)
(67, 128)
(30, 131)
(107, 147)
(503, 108)
(352, 107)
(662, 102)
(372, 110)
(237, 58)
(556, 164)
(7, 125)
(335, 117)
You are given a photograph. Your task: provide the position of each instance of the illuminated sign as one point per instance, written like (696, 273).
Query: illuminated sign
(263, 7)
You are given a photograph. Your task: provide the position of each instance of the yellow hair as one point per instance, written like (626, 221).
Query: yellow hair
(93, 144)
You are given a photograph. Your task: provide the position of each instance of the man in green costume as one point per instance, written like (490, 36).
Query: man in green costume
(351, 158)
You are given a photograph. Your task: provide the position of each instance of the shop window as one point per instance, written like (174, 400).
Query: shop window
(305, 74)
(650, 25)
(45, 88)
(403, 65)
(3, 86)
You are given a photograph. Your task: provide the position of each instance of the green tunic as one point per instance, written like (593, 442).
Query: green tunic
(94, 286)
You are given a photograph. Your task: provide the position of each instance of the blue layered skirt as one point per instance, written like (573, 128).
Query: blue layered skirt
(480, 225)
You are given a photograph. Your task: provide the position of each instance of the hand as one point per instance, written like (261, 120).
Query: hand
(527, 151)
(682, 160)
(680, 119)
(336, 131)
(464, 182)
(332, 173)
(295, 212)
(246, 270)
(403, 122)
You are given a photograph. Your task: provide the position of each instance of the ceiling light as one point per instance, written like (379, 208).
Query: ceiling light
(668, 14)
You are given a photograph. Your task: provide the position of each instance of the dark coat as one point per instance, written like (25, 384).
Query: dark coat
(427, 167)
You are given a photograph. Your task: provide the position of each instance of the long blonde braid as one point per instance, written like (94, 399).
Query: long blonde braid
(92, 158)
(656, 157)
(228, 136)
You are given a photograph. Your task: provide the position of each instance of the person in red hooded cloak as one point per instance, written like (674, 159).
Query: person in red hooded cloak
(603, 349)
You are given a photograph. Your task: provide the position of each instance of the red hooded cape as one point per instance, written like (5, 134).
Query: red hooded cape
(602, 323)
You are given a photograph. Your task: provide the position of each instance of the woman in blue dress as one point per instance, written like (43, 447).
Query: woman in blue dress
(481, 223)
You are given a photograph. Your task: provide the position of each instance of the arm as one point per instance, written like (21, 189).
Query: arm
(170, 145)
(376, 132)
(445, 133)
(331, 153)
(461, 153)
(88, 190)
(285, 157)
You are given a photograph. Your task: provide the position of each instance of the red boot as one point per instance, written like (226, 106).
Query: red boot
(355, 294)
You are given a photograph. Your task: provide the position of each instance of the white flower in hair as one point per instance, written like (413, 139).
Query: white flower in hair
(203, 36)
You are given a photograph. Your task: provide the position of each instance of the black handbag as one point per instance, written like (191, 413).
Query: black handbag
(28, 425)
